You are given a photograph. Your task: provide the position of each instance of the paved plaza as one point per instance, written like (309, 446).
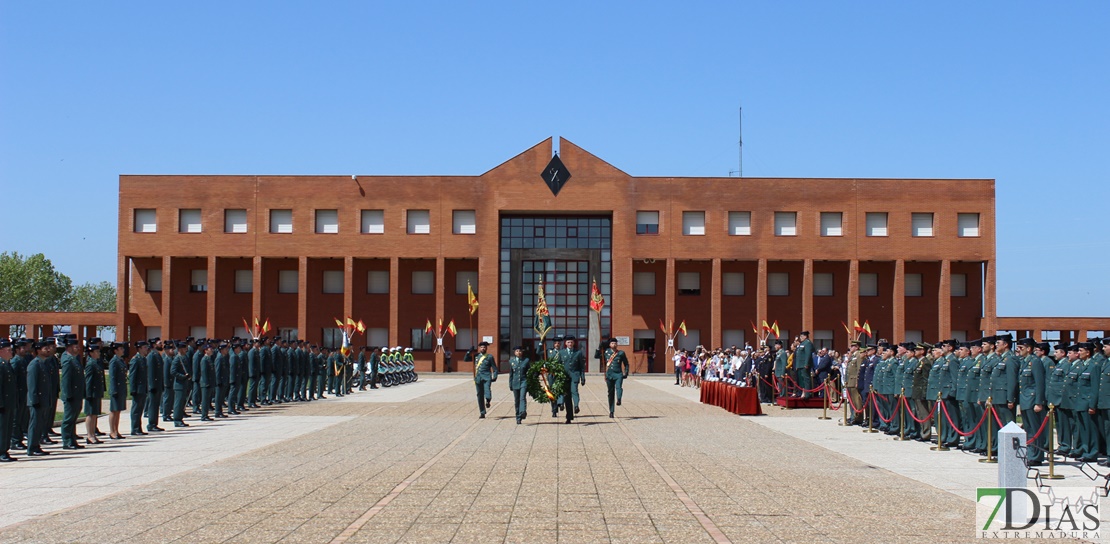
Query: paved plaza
(415, 464)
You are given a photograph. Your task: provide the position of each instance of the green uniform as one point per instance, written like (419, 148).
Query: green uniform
(485, 373)
(908, 371)
(1031, 387)
(72, 393)
(574, 364)
(781, 358)
(1056, 373)
(921, 402)
(182, 383)
(948, 367)
(1085, 400)
(1004, 389)
(518, 384)
(966, 417)
(803, 365)
(9, 400)
(137, 384)
(1103, 415)
(616, 370)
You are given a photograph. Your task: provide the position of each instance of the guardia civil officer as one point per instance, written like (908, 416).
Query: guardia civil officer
(38, 394)
(574, 363)
(182, 384)
(207, 380)
(155, 384)
(117, 389)
(254, 372)
(518, 382)
(616, 370)
(803, 363)
(21, 357)
(781, 360)
(1031, 385)
(137, 383)
(168, 393)
(235, 376)
(485, 373)
(72, 393)
(223, 376)
(9, 399)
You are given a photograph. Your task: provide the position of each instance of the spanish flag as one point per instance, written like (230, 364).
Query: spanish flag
(471, 300)
(542, 322)
(428, 327)
(451, 328)
(682, 327)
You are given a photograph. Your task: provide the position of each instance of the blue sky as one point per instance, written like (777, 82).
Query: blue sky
(1015, 91)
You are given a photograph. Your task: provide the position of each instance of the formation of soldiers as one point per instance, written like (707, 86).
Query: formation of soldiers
(970, 389)
(212, 378)
(573, 361)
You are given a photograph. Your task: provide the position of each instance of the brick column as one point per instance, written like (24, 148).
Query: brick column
(715, 306)
(256, 293)
(123, 298)
(349, 287)
(302, 296)
(761, 294)
(394, 298)
(668, 297)
(807, 295)
(898, 301)
(853, 292)
(167, 296)
(990, 305)
(210, 320)
(441, 294)
(944, 300)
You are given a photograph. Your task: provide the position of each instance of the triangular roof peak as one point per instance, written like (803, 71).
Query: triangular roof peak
(577, 159)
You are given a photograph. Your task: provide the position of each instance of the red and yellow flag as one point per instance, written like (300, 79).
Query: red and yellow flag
(682, 327)
(428, 328)
(451, 328)
(471, 300)
(775, 328)
(597, 302)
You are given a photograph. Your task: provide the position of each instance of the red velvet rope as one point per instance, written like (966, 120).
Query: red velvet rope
(909, 410)
(1039, 431)
(956, 428)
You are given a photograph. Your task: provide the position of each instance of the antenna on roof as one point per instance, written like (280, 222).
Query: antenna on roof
(740, 165)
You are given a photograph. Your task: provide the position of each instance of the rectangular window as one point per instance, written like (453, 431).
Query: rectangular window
(419, 222)
(188, 221)
(832, 224)
(689, 283)
(281, 221)
(959, 285)
(732, 284)
(868, 285)
(643, 340)
(423, 282)
(968, 225)
(693, 223)
(921, 224)
(422, 340)
(464, 340)
(823, 285)
(235, 221)
(823, 339)
(146, 220)
(198, 281)
(732, 337)
(778, 284)
(786, 224)
(154, 280)
(327, 221)
(288, 333)
(647, 222)
(288, 282)
(784, 335)
(244, 281)
(333, 282)
(913, 285)
(914, 336)
(691, 340)
(373, 221)
(643, 283)
(377, 337)
(238, 332)
(155, 332)
(462, 277)
(377, 282)
(464, 222)
(199, 331)
(960, 335)
(332, 337)
(876, 223)
(739, 223)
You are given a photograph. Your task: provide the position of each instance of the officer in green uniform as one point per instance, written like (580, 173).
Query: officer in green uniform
(38, 393)
(170, 352)
(852, 375)
(883, 385)
(574, 363)
(21, 357)
(803, 363)
(986, 368)
(9, 399)
(138, 385)
(907, 370)
(781, 359)
(1085, 403)
(182, 382)
(207, 380)
(1031, 399)
(236, 363)
(949, 369)
(616, 370)
(1103, 348)
(72, 393)
(223, 377)
(1071, 388)
(1056, 372)
(93, 387)
(254, 372)
(964, 384)
(485, 373)
(922, 352)
(518, 382)
(1004, 380)
(155, 383)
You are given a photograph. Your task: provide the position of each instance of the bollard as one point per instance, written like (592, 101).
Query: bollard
(940, 425)
(902, 415)
(825, 407)
(845, 406)
(1011, 468)
(990, 425)
(871, 411)
(1051, 448)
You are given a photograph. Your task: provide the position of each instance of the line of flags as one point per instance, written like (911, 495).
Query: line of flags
(349, 327)
(257, 330)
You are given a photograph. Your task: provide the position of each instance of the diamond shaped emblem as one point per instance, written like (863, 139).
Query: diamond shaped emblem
(555, 175)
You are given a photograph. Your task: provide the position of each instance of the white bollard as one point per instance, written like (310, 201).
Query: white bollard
(1011, 468)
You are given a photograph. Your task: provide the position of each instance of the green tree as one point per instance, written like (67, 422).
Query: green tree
(93, 297)
(30, 284)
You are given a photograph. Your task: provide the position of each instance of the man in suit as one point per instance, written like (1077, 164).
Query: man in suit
(616, 370)
(485, 373)
(574, 363)
(72, 393)
(518, 382)
(823, 365)
(138, 384)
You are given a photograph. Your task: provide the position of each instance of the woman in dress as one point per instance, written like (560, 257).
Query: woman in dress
(117, 390)
(94, 393)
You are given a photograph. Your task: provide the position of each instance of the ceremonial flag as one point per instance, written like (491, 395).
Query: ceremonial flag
(360, 326)
(597, 302)
(471, 300)
(250, 331)
(542, 322)
(846, 329)
(867, 328)
(338, 323)
(428, 328)
(766, 327)
(682, 327)
(754, 328)
(451, 328)
(266, 327)
(775, 328)
(663, 328)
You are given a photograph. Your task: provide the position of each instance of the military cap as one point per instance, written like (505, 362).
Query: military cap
(70, 341)
(190, 339)
(117, 345)
(480, 344)
(908, 345)
(1043, 346)
(1073, 347)
(1086, 345)
(803, 333)
(518, 348)
(313, 346)
(1008, 338)
(569, 337)
(987, 340)
(922, 345)
(93, 347)
(71, 335)
(180, 344)
(142, 344)
(967, 344)
(44, 343)
(1027, 342)
(201, 340)
(5, 343)
(856, 343)
(1096, 341)
(610, 340)
(777, 342)
(21, 342)
(872, 346)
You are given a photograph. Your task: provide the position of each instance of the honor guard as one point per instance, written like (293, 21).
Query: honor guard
(616, 370)
(138, 384)
(94, 387)
(1031, 387)
(180, 369)
(518, 382)
(574, 363)
(72, 393)
(9, 399)
(485, 373)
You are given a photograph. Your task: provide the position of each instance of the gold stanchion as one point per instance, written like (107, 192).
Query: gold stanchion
(940, 425)
(902, 415)
(1051, 448)
(844, 407)
(871, 411)
(990, 439)
(825, 407)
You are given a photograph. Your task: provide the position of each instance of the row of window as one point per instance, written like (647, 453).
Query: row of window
(377, 281)
(644, 338)
(786, 223)
(464, 222)
(190, 220)
(332, 337)
(778, 284)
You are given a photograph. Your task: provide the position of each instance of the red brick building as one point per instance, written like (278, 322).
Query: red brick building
(198, 254)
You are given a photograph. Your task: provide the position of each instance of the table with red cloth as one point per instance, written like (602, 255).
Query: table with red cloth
(738, 400)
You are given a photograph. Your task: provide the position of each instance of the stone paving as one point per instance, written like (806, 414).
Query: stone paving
(421, 467)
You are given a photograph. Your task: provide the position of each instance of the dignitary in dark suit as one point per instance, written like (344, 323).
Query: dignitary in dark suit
(616, 370)
(38, 394)
(72, 393)
(155, 384)
(485, 373)
(518, 382)
(9, 399)
(94, 393)
(117, 390)
(138, 383)
(182, 383)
